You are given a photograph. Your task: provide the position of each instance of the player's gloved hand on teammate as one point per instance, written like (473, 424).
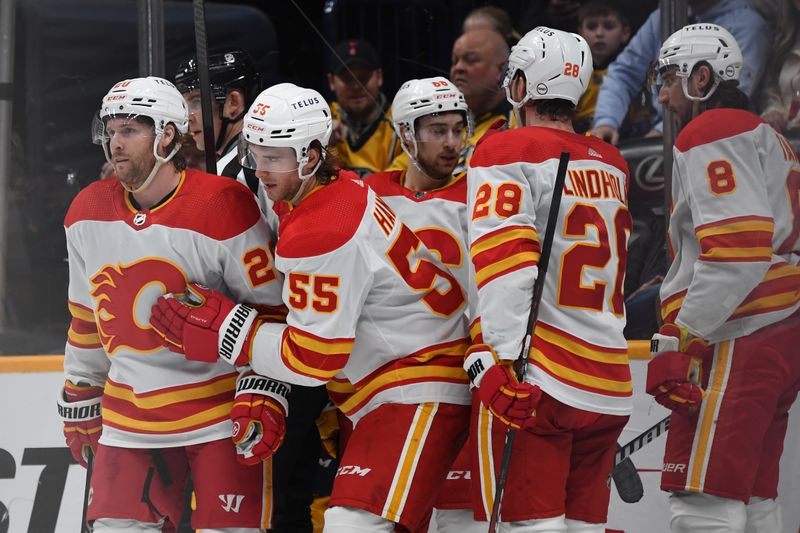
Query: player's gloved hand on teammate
(259, 412)
(512, 402)
(204, 325)
(80, 410)
(674, 373)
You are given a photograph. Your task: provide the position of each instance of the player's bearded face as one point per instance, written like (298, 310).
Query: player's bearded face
(440, 139)
(131, 148)
(671, 95)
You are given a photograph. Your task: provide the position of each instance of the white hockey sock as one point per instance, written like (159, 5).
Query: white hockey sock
(763, 516)
(537, 525)
(579, 526)
(124, 525)
(458, 521)
(340, 519)
(703, 513)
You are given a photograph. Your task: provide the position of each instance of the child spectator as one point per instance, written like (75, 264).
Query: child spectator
(607, 31)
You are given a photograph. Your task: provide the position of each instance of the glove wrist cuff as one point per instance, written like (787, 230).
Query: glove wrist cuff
(80, 411)
(234, 331)
(272, 388)
(480, 358)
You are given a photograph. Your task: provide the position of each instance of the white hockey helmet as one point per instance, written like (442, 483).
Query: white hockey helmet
(694, 43)
(286, 116)
(152, 97)
(426, 96)
(556, 64)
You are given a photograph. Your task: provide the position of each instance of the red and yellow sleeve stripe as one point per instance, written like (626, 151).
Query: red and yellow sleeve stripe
(780, 289)
(504, 251)
(740, 239)
(475, 331)
(313, 356)
(82, 331)
(581, 364)
(171, 410)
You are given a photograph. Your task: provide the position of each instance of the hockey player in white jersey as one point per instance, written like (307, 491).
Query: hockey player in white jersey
(576, 395)
(431, 117)
(726, 358)
(163, 419)
(372, 313)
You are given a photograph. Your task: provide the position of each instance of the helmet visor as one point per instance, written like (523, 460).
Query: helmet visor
(266, 158)
(442, 132)
(125, 127)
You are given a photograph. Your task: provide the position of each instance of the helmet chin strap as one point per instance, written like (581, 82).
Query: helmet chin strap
(305, 185)
(157, 165)
(223, 128)
(685, 86)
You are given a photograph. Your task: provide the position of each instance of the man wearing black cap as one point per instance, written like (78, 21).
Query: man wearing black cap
(363, 134)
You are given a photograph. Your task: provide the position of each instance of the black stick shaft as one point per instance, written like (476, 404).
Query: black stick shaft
(538, 288)
(201, 44)
(87, 486)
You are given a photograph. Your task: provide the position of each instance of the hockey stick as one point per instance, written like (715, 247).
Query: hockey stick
(87, 487)
(201, 44)
(522, 360)
(644, 438)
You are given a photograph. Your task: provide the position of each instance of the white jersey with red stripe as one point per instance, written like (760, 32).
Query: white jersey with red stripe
(734, 228)
(121, 259)
(578, 353)
(438, 217)
(372, 312)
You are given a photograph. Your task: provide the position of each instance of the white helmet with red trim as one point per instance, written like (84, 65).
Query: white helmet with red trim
(155, 98)
(289, 116)
(697, 43)
(556, 64)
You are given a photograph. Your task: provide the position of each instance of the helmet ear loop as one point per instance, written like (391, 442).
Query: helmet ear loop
(406, 134)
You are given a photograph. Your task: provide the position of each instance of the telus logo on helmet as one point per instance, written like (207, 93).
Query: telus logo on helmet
(305, 103)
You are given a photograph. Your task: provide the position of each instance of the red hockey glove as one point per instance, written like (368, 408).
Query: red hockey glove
(204, 325)
(674, 373)
(259, 415)
(512, 402)
(79, 409)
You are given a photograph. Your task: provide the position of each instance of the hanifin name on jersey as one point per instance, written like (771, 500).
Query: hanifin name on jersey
(262, 384)
(594, 183)
(384, 216)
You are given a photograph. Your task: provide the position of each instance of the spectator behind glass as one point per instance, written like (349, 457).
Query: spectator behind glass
(362, 133)
(607, 31)
(628, 72)
(492, 18)
(780, 99)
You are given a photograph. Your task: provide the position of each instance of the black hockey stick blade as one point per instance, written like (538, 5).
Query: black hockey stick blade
(626, 479)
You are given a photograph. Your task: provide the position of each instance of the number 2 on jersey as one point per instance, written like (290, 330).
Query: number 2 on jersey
(571, 291)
